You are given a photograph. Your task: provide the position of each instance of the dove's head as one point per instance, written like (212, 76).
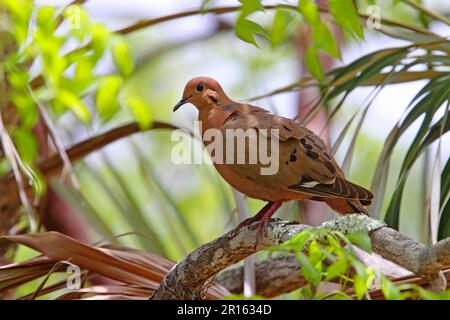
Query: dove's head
(203, 92)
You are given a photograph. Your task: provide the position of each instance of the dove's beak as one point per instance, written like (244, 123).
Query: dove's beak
(181, 102)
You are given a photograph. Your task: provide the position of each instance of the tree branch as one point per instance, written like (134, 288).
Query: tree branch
(189, 278)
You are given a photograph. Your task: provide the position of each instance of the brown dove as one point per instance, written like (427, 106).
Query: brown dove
(307, 169)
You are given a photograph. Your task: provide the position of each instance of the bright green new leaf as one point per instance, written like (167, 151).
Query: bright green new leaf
(308, 270)
(71, 101)
(100, 38)
(83, 70)
(46, 20)
(27, 109)
(250, 6)
(18, 78)
(346, 16)
(309, 10)
(336, 269)
(246, 29)
(140, 110)
(324, 39)
(106, 100)
(315, 254)
(281, 22)
(122, 57)
(26, 144)
(390, 291)
(313, 63)
(360, 286)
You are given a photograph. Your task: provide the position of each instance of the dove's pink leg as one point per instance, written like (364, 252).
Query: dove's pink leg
(263, 217)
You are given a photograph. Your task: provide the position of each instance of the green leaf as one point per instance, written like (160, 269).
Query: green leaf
(309, 10)
(336, 269)
(27, 109)
(250, 6)
(20, 10)
(26, 144)
(362, 240)
(323, 39)
(281, 22)
(308, 270)
(315, 254)
(71, 101)
(360, 286)
(18, 78)
(363, 278)
(390, 291)
(83, 69)
(246, 29)
(46, 20)
(122, 57)
(140, 110)
(100, 38)
(106, 96)
(297, 242)
(346, 16)
(313, 63)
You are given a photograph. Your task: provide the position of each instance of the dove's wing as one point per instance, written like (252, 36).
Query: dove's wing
(305, 163)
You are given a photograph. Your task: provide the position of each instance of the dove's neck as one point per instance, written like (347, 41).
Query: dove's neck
(214, 116)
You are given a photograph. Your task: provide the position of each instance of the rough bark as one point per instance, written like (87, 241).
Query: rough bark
(189, 278)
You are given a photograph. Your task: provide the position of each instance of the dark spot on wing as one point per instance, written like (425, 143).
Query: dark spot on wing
(330, 166)
(292, 158)
(312, 155)
(294, 151)
(302, 141)
(287, 128)
(308, 146)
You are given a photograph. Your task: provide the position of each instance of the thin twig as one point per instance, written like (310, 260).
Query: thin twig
(428, 12)
(222, 10)
(67, 168)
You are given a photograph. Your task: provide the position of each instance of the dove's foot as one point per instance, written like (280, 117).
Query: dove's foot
(263, 218)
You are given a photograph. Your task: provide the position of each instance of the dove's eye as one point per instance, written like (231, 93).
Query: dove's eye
(199, 87)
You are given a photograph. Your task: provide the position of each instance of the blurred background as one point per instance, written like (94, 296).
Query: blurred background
(132, 192)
